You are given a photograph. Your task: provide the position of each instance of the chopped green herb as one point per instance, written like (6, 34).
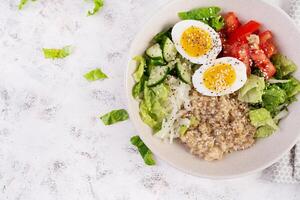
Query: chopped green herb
(95, 74)
(57, 53)
(114, 117)
(98, 4)
(143, 149)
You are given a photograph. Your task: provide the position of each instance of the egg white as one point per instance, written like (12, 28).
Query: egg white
(182, 26)
(239, 68)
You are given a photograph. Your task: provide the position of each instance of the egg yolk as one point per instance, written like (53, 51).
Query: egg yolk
(219, 77)
(196, 42)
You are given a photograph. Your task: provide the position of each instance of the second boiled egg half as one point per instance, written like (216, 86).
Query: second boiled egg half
(220, 77)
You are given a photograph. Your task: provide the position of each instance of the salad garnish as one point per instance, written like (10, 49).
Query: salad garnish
(57, 53)
(145, 152)
(98, 5)
(95, 74)
(114, 116)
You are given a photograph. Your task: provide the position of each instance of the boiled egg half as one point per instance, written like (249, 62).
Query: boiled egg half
(220, 77)
(196, 41)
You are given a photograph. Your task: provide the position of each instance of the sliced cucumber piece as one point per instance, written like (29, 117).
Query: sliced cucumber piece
(169, 49)
(155, 52)
(157, 75)
(184, 72)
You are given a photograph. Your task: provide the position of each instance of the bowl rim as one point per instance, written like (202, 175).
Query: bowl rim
(157, 153)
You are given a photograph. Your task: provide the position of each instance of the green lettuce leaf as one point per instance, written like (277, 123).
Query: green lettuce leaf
(253, 90)
(57, 53)
(147, 118)
(291, 88)
(284, 66)
(273, 97)
(114, 117)
(22, 3)
(208, 15)
(98, 5)
(264, 131)
(262, 120)
(155, 105)
(160, 36)
(140, 68)
(95, 74)
(143, 149)
(138, 88)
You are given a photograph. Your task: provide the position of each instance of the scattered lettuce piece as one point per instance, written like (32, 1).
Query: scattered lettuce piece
(22, 3)
(273, 97)
(140, 68)
(57, 53)
(95, 74)
(262, 120)
(98, 5)
(284, 66)
(208, 15)
(143, 149)
(292, 87)
(114, 117)
(253, 90)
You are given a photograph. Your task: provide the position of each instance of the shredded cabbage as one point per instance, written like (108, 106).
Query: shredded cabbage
(178, 98)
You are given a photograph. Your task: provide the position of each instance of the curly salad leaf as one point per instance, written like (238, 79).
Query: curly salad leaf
(57, 53)
(208, 15)
(143, 149)
(284, 66)
(114, 117)
(95, 74)
(98, 5)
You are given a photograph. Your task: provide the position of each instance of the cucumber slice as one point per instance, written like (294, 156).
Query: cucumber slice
(155, 52)
(169, 49)
(184, 72)
(157, 75)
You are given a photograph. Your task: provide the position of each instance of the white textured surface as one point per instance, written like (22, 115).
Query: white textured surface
(52, 145)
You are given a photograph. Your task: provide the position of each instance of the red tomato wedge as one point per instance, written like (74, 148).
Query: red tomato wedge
(240, 51)
(265, 36)
(263, 63)
(241, 33)
(266, 43)
(231, 22)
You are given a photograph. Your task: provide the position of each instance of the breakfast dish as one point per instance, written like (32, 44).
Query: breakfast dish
(214, 83)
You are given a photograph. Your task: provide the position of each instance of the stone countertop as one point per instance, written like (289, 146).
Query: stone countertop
(52, 144)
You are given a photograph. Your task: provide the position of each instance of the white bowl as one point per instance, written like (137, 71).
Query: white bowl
(266, 151)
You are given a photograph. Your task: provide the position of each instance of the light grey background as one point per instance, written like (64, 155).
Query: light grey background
(52, 144)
